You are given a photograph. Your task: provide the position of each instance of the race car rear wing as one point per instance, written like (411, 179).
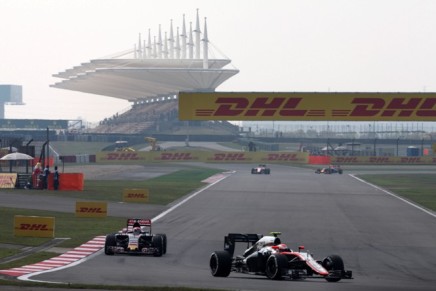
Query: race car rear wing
(232, 238)
(133, 222)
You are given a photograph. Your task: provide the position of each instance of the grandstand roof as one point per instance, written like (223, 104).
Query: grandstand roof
(153, 69)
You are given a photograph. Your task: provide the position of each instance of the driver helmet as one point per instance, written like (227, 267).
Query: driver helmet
(136, 230)
(282, 247)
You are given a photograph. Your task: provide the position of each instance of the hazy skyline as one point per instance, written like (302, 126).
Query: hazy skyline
(336, 45)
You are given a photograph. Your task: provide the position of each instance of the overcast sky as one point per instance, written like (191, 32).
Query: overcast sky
(278, 45)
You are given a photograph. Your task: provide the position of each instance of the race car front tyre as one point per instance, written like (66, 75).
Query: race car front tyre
(333, 264)
(157, 242)
(220, 263)
(110, 242)
(276, 266)
(164, 242)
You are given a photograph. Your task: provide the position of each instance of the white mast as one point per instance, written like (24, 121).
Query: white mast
(149, 47)
(191, 42)
(197, 37)
(159, 47)
(178, 44)
(171, 40)
(139, 47)
(165, 46)
(184, 37)
(205, 47)
(154, 48)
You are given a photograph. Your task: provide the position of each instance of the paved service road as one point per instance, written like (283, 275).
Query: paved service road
(388, 244)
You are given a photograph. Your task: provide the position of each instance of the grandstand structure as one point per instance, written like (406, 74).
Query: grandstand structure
(150, 75)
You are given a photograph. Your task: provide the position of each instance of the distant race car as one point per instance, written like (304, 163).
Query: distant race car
(330, 170)
(269, 257)
(261, 169)
(136, 239)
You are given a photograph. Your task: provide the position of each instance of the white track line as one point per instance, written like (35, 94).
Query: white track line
(396, 196)
(186, 199)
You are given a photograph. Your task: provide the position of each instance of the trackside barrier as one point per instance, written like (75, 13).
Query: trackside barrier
(384, 160)
(82, 159)
(78, 159)
(255, 157)
(202, 156)
(68, 181)
(319, 160)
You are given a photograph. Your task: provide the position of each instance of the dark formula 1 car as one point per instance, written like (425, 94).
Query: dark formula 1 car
(136, 239)
(330, 170)
(261, 169)
(267, 256)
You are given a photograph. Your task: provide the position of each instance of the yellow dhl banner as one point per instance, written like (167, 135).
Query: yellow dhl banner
(135, 195)
(34, 226)
(307, 106)
(201, 156)
(384, 160)
(257, 157)
(8, 180)
(91, 209)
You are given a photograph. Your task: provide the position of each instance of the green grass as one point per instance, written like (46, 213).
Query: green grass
(162, 190)
(67, 225)
(418, 188)
(28, 260)
(9, 252)
(65, 148)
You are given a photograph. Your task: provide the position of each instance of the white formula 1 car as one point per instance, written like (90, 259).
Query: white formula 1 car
(261, 169)
(136, 239)
(267, 256)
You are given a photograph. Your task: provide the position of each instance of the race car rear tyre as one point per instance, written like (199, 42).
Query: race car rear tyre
(157, 242)
(333, 263)
(110, 242)
(164, 242)
(276, 266)
(267, 171)
(220, 263)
